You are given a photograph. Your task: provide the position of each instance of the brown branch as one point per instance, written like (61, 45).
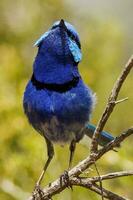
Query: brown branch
(80, 182)
(121, 100)
(100, 181)
(115, 175)
(83, 165)
(89, 183)
(116, 142)
(108, 176)
(96, 188)
(111, 104)
(112, 195)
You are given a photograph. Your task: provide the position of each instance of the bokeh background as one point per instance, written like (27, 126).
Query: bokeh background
(106, 33)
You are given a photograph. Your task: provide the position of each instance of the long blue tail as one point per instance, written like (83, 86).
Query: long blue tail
(104, 137)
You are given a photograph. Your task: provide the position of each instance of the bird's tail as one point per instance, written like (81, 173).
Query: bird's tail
(104, 137)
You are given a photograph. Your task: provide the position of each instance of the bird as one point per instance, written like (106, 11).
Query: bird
(56, 101)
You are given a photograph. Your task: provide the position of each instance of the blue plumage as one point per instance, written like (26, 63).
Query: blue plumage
(59, 116)
(56, 101)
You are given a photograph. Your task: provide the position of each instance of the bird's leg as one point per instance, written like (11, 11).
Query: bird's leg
(65, 177)
(72, 148)
(50, 152)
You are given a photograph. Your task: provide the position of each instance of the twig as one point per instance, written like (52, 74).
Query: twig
(96, 188)
(76, 181)
(112, 195)
(108, 176)
(121, 100)
(117, 141)
(100, 181)
(88, 183)
(83, 165)
(111, 104)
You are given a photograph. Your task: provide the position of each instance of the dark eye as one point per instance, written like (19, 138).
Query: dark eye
(70, 35)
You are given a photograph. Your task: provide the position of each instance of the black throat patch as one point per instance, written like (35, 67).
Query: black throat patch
(54, 86)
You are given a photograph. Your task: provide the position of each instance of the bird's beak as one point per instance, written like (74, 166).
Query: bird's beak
(62, 24)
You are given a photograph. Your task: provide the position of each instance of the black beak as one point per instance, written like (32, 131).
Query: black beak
(62, 24)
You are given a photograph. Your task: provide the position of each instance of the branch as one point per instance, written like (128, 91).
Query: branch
(112, 196)
(89, 183)
(96, 188)
(111, 104)
(107, 176)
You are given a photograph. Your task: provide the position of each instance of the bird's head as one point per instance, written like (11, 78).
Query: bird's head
(59, 52)
(61, 41)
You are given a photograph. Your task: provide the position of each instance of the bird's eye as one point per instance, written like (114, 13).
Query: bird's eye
(70, 35)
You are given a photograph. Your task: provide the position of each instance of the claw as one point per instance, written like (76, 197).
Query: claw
(37, 193)
(64, 180)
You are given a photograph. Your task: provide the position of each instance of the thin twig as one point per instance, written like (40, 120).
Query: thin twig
(100, 181)
(108, 176)
(88, 183)
(96, 188)
(110, 104)
(121, 100)
(112, 195)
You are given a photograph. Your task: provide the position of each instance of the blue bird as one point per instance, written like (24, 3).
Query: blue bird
(56, 101)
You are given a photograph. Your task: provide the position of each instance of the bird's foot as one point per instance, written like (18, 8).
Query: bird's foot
(64, 179)
(37, 192)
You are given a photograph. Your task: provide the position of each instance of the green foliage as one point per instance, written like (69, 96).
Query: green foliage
(22, 150)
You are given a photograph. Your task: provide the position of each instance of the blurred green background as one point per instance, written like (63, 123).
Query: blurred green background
(105, 29)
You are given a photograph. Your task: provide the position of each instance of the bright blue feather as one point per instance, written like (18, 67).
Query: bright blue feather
(41, 38)
(76, 52)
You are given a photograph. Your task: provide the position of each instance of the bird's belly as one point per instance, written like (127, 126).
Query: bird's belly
(60, 132)
(58, 125)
